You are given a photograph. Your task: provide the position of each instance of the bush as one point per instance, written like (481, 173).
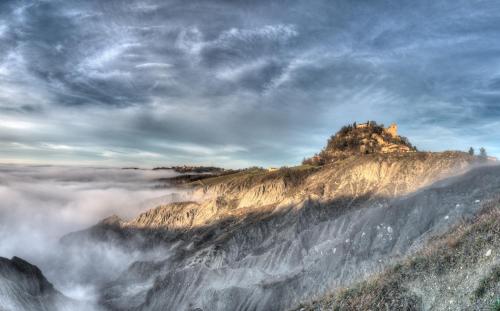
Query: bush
(496, 305)
(488, 282)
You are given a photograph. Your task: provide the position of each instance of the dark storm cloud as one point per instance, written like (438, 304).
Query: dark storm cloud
(240, 82)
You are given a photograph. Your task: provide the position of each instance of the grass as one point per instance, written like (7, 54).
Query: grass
(496, 305)
(463, 246)
(488, 282)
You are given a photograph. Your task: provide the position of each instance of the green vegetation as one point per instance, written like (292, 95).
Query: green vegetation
(496, 305)
(488, 282)
(471, 151)
(482, 154)
(358, 139)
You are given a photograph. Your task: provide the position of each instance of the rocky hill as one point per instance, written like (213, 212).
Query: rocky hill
(270, 240)
(264, 240)
(361, 139)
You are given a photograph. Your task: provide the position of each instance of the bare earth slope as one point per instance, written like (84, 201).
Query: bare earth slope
(458, 271)
(259, 240)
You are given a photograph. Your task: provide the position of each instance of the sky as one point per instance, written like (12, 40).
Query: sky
(241, 83)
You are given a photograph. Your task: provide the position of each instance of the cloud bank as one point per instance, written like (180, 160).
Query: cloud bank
(42, 203)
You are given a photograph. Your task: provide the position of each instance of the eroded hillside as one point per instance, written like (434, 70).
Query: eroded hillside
(262, 240)
(258, 239)
(460, 270)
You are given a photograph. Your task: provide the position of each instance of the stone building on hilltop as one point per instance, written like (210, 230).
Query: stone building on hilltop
(361, 139)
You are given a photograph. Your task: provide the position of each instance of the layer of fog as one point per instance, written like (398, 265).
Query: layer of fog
(40, 204)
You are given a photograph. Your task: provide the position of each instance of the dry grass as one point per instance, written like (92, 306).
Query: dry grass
(463, 246)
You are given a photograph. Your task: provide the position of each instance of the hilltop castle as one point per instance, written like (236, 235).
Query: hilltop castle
(362, 139)
(391, 130)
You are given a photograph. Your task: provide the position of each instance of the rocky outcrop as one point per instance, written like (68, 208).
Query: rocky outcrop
(362, 139)
(378, 177)
(280, 255)
(174, 216)
(24, 288)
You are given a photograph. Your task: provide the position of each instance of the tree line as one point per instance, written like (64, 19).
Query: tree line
(482, 153)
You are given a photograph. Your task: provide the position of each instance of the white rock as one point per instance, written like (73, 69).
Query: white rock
(477, 201)
(446, 217)
(488, 253)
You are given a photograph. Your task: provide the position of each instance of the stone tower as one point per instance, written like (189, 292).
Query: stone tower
(393, 130)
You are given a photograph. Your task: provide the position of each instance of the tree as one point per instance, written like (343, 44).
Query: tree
(471, 151)
(482, 154)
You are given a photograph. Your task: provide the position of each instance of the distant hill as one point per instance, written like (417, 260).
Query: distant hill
(191, 169)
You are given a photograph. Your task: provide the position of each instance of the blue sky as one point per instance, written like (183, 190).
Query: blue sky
(239, 83)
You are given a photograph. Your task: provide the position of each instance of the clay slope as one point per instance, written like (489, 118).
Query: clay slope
(459, 271)
(261, 240)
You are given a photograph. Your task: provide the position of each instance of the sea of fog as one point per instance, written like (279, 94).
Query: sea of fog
(40, 204)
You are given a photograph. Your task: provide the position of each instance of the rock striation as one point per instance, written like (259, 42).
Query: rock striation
(261, 240)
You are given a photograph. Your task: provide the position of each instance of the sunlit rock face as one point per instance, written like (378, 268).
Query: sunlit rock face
(303, 235)
(261, 240)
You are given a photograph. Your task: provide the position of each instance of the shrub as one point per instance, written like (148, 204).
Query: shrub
(496, 305)
(488, 282)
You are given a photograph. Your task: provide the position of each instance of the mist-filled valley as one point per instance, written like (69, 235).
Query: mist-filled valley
(214, 155)
(198, 238)
(40, 204)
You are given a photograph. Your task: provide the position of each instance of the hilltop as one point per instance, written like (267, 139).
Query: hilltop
(362, 139)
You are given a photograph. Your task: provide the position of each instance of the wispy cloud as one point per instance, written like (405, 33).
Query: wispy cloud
(183, 81)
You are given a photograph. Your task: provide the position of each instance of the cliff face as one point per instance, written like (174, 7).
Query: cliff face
(262, 240)
(376, 177)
